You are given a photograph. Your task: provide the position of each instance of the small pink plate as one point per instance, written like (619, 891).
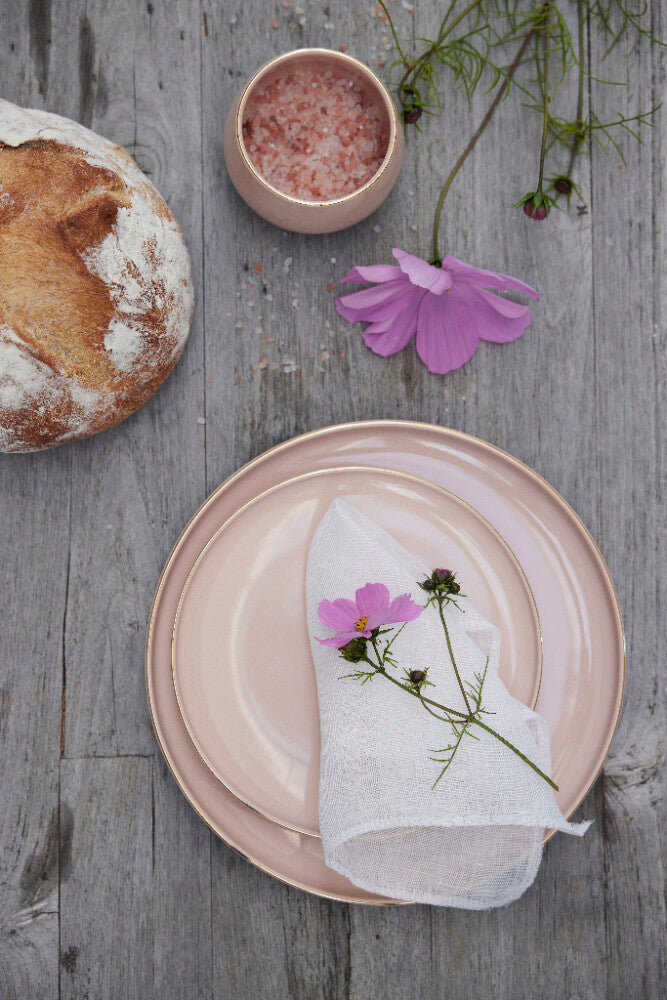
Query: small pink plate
(584, 655)
(241, 656)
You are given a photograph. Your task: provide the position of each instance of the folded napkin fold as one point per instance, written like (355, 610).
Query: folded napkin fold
(475, 839)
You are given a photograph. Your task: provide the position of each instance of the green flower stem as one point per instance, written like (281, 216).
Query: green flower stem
(469, 718)
(437, 257)
(451, 655)
(393, 31)
(579, 134)
(413, 70)
(516, 750)
(545, 95)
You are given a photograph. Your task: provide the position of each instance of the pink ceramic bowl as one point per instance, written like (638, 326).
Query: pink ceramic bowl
(293, 213)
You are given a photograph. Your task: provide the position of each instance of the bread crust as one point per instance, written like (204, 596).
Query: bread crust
(96, 293)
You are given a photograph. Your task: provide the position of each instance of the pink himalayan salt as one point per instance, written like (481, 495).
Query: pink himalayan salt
(314, 135)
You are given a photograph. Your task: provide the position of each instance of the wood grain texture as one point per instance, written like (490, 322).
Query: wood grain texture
(34, 527)
(106, 945)
(100, 854)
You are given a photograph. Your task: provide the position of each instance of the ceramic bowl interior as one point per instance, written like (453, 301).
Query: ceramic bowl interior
(321, 60)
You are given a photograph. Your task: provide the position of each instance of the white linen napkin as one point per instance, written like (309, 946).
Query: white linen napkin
(473, 841)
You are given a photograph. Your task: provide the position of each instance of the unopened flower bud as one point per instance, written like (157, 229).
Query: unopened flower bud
(412, 115)
(417, 676)
(354, 650)
(536, 212)
(563, 185)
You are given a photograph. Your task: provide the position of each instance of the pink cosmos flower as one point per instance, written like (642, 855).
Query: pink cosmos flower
(370, 609)
(447, 307)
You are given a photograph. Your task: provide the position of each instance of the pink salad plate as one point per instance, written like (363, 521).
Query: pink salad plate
(241, 657)
(583, 647)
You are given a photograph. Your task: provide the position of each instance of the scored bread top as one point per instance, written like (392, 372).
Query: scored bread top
(96, 293)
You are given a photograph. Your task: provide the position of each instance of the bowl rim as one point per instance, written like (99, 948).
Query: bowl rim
(368, 75)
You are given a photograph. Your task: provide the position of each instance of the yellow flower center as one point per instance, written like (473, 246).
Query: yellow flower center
(361, 624)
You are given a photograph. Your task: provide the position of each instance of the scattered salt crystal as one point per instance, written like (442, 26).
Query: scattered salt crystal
(250, 305)
(238, 325)
(327, 324)
(295, 303)
(287, 263)
(328, 26)
(333, 260)
(269, 298)
(201, 420)
(413, 228)
(109, 527)
(376, 229)
(324, 356)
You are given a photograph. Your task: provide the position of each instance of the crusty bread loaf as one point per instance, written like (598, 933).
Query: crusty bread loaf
(96, 292)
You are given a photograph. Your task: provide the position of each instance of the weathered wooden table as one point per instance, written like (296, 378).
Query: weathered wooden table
(111, 886)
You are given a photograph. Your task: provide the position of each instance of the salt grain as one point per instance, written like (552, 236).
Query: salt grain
(315, 135)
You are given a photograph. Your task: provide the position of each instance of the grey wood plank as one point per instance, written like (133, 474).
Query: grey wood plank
(106, 905)
(138, 82)
(631, 369)
(34, 533)
(181, 885)
(272, 940)
(136, 485)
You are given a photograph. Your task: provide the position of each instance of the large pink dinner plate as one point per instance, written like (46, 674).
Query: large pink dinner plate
(241, 657)
(583, 647)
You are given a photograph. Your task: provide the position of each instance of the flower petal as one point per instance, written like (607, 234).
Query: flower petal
(372, 599)
(403, 609)
(434, 279)
(338, 614)
(373, 304)
(498, 319)
(466, 273)
(341, 639)
(391, 335)
(376, 272)
(446, 332)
